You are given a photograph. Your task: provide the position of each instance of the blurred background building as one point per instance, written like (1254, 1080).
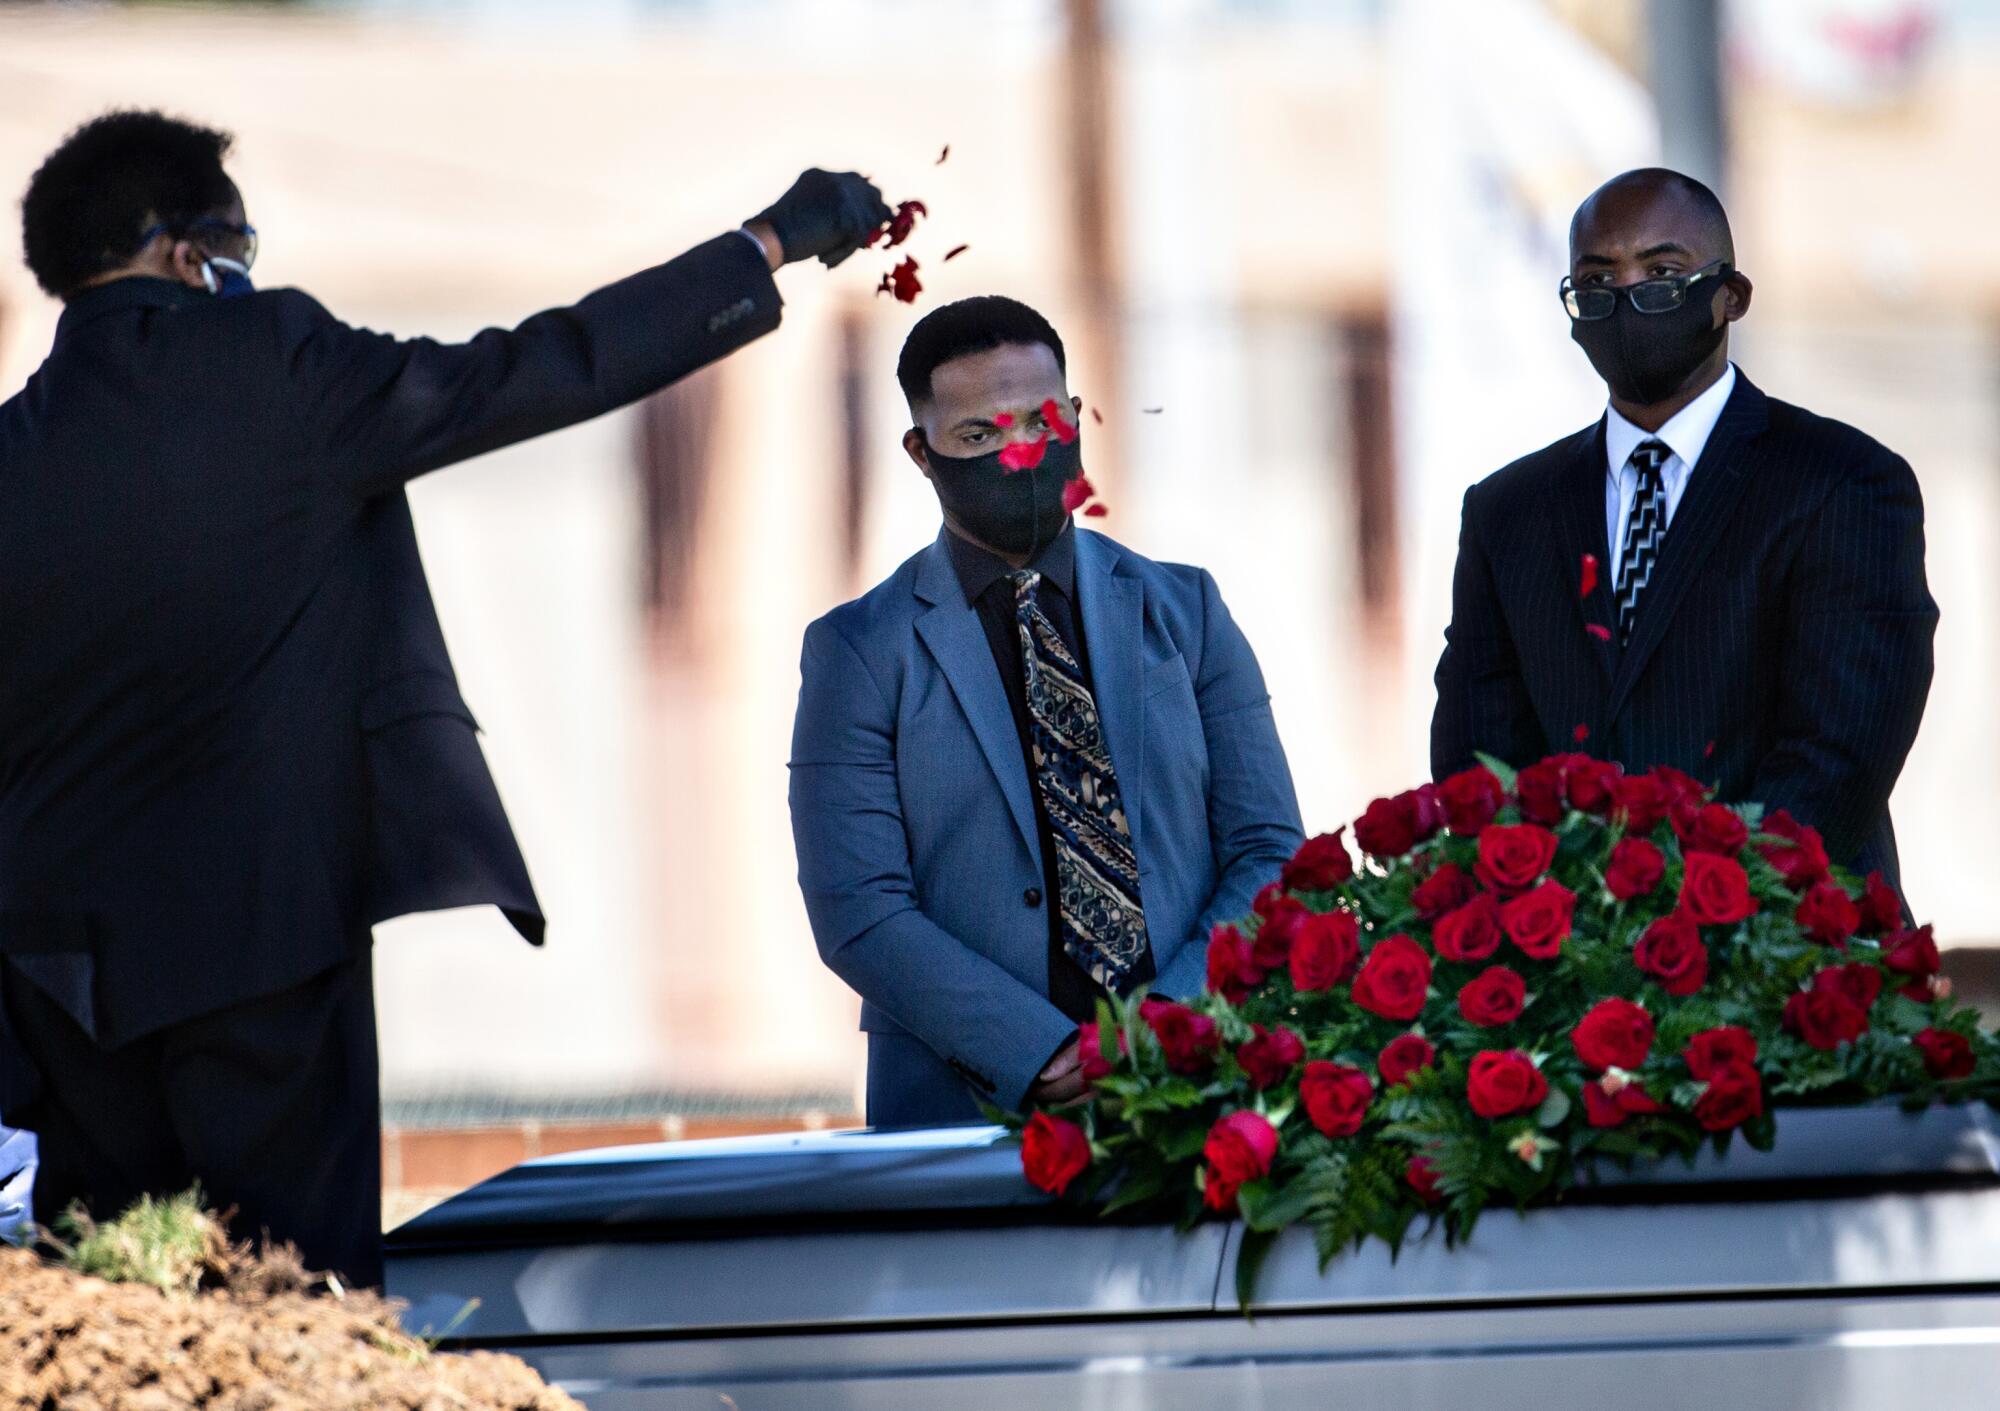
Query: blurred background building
(1306, 254)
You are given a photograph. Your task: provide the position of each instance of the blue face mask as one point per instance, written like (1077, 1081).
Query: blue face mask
(226, 279)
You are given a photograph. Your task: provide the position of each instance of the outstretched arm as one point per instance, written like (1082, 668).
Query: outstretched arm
(1858, 658)
(854, 868)
(1253, 811)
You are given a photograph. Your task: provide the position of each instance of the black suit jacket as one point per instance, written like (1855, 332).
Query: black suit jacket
(230, 735)
(1782, 650)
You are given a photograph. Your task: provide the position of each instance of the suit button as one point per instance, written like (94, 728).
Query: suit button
(1032, 897)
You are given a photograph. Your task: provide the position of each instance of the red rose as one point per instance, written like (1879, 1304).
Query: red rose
(1539, 787)
(1470, 800)
(1391, 827)
(1097, 1063)
(1336, 1097)
(1233, 970)
(1403, 1055)
(1801, 857)
(1712, 828)
(1502, 1083)
(1912, 953)
(1276, 930)
(1325, 950)
(1684, 791)
(1639, 801)
(1714, 1049)
(1636, 868)
(1512, 857)
(1422, 1177)
(1716, 891)
(1828, 914)
(1825, 1018)
(1613, 1033)
(1672, 953)
(1188, 1039)
(1240, 1148)
(1590, 783)
(1735, 1094)
(1881, 909)
(1393, 979)
(1858, 982)
(1446, 889)
(1538, 921)
(1610, 1110)
(1053, 1153)
(1947, 1055)
(1269, 1057)
(1470, 933)
(1494, 997)
(1269, 898)
(1320, 864)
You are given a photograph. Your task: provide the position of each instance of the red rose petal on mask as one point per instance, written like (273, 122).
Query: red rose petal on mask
(1582, 733)
(1076, 492)
(1096, 512)
(955, 251)
(1589, 574)
(1598, 630)
(1052, 417)
(1023, 455)
(1003, 420)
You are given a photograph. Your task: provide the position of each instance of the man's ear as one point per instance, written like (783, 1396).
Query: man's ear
(1736, 293)
(913, 446)
(1076, 409)
(186, 260)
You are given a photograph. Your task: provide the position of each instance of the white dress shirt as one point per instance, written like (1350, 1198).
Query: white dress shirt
(1685, 434)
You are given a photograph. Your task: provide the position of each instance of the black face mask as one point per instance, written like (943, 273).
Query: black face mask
(1644, 358)
(1015, 511)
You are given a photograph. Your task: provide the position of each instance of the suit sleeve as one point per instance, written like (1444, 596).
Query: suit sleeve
(380, 411)
(861, 896)
(1858, 657)
(1253, 810)
(1482, 697)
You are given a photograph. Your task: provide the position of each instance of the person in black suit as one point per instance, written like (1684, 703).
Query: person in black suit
(1707, 577)
(230, 735)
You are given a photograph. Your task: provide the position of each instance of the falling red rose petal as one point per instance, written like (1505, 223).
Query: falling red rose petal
(1152, 411)
(900, 224)
(1589, 574)
(1097, 416)
(942, 155)
(1598, 630)
(1582, 733)
(1708, 749)
(1052, 416)
(902, 282)
(1076, 492)
(955, 251)
(1096, 512)
(1023, 455)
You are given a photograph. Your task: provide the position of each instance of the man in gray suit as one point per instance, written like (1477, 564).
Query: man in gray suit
(1031, 767)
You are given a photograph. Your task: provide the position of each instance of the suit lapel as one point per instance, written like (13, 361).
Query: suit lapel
(1114, 622)
(1714, 487)
(1581, 515)
(955, 640)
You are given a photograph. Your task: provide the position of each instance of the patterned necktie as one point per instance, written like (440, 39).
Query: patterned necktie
(1645, 532)
(1103, 923)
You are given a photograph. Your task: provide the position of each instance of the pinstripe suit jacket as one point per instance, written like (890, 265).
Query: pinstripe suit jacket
(1782, 650)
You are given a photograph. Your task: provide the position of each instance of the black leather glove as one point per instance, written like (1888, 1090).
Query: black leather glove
(828, 214)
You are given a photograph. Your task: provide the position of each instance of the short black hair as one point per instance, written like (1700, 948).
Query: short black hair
(1707, 205)
(89, 203)
(969, 326)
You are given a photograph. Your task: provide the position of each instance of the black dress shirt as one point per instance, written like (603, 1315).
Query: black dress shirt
(987, 589)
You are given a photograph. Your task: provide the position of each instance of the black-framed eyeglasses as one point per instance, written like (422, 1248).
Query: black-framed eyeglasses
(246, 233)
(1590, 302)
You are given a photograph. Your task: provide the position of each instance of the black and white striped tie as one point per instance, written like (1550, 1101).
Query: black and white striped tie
(1645, 532)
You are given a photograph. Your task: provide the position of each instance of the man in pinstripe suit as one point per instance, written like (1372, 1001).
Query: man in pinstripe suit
(1707, 577)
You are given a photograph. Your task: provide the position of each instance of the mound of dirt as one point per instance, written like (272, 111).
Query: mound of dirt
(70, 1342)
